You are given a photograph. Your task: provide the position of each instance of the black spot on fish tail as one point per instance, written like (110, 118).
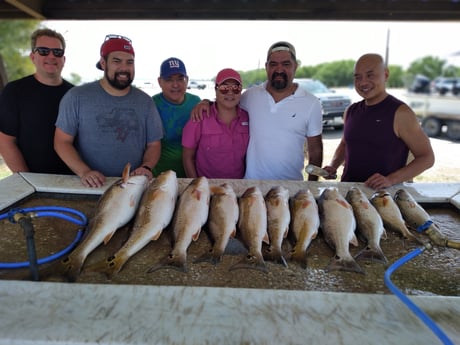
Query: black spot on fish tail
(110, 266)
(342, 264)
(175, 262)
(250, 262)
(372, 254)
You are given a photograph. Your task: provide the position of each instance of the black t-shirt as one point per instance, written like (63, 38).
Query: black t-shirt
(28, 111)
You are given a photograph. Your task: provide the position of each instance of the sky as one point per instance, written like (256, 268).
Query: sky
(209, 46)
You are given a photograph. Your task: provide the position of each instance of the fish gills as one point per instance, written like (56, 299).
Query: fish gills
(222, 220)
(338, 225)
(252, 226)
(304, 225)
(278, 218)
(190, 215)
(390, 213)
(155, 212)
(369, 224)
(115, 208)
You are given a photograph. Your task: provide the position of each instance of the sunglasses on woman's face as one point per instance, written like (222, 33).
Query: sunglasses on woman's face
(45, 51)
(224, 89)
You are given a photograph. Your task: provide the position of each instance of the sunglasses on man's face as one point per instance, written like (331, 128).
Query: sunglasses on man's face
(45, 51)
(224, 89)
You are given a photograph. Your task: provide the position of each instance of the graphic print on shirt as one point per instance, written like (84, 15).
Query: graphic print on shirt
(120, 121)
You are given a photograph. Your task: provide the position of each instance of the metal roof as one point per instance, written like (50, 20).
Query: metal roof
(390, 10)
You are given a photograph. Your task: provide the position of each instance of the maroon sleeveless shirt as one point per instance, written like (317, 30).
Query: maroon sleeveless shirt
(371, 144)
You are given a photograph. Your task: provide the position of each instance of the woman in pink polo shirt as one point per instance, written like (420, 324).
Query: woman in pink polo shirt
(216, 146)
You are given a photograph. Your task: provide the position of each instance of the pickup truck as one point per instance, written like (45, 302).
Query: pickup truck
(437, 113)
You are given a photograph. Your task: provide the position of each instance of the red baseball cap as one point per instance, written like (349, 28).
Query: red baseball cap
(115, 43)
(227, 74)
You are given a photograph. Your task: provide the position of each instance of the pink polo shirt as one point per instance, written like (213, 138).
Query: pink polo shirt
(220, 149)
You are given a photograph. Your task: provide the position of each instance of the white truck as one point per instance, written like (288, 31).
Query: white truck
(437, 113)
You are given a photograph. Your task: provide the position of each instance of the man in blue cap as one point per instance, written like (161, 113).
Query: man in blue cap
(174, 105)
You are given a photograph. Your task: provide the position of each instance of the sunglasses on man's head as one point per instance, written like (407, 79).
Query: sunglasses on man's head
(224, 89)
(111, 37)
(45, 51)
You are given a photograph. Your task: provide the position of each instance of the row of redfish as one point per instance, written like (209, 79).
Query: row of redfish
(259, 219)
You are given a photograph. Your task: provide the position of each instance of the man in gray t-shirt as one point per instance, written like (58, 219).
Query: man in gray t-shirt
(104, 125)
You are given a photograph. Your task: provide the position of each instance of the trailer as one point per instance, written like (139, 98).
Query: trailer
(437, 113)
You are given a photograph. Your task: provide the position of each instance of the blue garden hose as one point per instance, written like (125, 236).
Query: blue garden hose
(47, 211)
(414, 308)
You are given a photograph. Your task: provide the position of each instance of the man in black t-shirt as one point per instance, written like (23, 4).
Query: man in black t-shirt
(29, 108)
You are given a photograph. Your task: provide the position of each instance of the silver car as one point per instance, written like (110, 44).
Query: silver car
(333, 105)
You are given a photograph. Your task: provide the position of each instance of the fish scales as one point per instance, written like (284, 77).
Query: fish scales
(278, 219)
(369, 224)
(222, 220)
(304, 224)
(338, 225)
(252, 226)
(391, 214)
(190, 215)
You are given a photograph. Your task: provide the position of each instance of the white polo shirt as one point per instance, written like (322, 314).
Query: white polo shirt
(278, 131)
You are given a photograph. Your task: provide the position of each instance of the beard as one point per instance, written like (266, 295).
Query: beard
(119, 84)
(279, 84)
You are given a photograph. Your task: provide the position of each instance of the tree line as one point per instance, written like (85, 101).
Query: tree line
(15, 48)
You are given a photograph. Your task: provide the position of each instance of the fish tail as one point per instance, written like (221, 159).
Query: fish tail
(276, 255)
(110, 266)
(212, 256)
(347, 264)
(373, 254)
(177, 262)
(70, 267)
(439, 239)
(251, 261)
(299, 256)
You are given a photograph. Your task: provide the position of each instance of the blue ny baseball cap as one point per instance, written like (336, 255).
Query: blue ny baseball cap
(172, 66)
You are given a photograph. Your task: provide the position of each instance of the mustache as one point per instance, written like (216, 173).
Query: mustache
(276, 74)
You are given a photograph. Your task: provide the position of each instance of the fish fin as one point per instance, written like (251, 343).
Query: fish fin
(125, 174)
(306, 203)
(156, 236)
(216, 190)
(233, 233)
(108, 237)
(197, 194)
(286, 232)
(344, 264)
(372, 254)
(343, 203)
(177, 262)
(211, 256)
(110, 266)
(384, 234)
(249, 261)
(354, 241)
(266, 238)
(276, 256)
(66, 270)
(196, 235)
(299, 256)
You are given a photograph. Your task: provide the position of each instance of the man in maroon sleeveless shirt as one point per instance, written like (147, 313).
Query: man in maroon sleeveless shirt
(379, 132)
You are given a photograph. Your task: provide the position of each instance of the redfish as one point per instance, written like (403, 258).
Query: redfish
(338, 225)
(115, 208)
(278, 218)
(190, 215)
(304, 224)
(252, 226)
